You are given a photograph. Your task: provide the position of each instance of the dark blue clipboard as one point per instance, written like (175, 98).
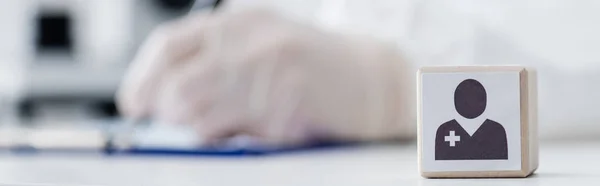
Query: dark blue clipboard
(234, 152)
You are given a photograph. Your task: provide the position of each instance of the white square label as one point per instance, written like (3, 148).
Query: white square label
(470, 121)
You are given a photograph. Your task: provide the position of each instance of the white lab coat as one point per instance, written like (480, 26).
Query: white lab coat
(558, 37)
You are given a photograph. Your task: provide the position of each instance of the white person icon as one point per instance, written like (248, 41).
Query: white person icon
(488, 142)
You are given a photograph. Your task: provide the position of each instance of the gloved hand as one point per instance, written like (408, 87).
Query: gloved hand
(256, 73)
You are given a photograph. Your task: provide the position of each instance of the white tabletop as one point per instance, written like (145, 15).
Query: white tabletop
(561, 164)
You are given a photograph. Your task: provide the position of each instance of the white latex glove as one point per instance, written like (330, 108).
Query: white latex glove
(256, 73)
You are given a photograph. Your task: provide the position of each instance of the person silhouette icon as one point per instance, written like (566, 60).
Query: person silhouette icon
(453, 142)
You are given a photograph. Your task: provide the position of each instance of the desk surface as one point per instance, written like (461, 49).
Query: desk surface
(561, 164)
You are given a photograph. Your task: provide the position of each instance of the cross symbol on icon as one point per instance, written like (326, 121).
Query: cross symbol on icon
(452, 138)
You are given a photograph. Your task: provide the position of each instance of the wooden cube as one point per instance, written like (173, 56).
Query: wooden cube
(477, 121)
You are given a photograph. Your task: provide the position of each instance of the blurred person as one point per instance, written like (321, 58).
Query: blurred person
(260, 74)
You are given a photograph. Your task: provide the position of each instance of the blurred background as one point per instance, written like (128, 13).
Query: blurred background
(61, 61)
